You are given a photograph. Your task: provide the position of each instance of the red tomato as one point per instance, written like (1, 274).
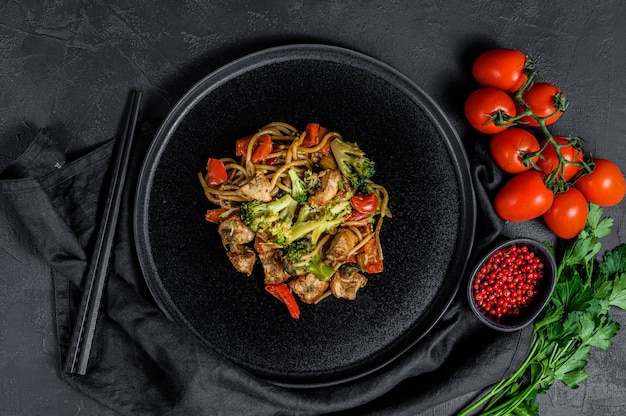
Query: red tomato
(568, 214)
(217, 172)
(507, 148)
(484, 104)
(364, 203)
(357, 216)
(524, 197)
(549, 160)
(544, 99)
(500, 68)
(605, 185)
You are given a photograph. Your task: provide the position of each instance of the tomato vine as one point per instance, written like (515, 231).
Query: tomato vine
(560, 159)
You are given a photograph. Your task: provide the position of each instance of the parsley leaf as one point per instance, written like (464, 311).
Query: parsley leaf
(618, 295)
(615, 260)
(602, 336)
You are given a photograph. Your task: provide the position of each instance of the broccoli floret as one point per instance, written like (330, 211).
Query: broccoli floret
(311, 180)
(299, 189)
(317, 221)
(320, 269)
(297, 249)
(315, 265)
(352, 162)
(271, 218)
(258, 215)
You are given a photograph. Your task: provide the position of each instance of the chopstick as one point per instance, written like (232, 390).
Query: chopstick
(84, 328)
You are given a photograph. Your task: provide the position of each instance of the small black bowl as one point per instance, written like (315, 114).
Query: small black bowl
(528, 313)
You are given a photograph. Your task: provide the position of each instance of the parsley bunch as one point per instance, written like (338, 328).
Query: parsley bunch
(575, 319)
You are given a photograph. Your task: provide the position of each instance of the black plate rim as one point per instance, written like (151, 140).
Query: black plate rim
(260, 58)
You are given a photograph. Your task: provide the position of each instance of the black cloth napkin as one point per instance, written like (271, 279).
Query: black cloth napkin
(144, 364)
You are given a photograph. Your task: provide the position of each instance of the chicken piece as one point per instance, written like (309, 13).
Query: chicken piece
(329, 185)
(346, 282)
(234, 231)
(308, 287)
(259, 188)
(272, 264)
(242, 258)
(344, 241)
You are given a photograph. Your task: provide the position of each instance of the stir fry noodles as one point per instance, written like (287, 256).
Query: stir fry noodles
(303, 203)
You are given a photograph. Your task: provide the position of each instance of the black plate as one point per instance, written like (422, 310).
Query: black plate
(419, 159)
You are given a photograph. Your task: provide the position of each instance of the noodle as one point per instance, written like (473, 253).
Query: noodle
(324, 296)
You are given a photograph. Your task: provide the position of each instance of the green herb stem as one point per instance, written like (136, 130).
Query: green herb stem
(506, 383)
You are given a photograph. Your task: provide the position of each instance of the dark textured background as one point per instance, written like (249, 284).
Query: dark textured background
(68, 66)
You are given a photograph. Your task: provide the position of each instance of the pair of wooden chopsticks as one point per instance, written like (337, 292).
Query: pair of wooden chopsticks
(84, 328)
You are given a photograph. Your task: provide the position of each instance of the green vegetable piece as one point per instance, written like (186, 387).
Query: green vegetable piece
(320, 269)
(299, 189)
(271, 218)
(352, 162)
(315, 222)
(615, 260)
(618, 294)
(297, 249)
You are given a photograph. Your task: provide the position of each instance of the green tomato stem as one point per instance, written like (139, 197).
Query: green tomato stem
(553, 180)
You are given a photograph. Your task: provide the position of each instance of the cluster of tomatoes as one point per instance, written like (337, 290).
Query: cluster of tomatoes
(552, 177)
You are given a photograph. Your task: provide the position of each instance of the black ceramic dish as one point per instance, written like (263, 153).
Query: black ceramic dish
(419, 159)
(529, 314)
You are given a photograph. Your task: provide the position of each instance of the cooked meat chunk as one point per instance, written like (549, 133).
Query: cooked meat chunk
(234, 231)
(326, 161)
(257, 188)
(346, 282)
(242, 258)
(308, 287)
(272, 264)
(344, 241)
(329, 185)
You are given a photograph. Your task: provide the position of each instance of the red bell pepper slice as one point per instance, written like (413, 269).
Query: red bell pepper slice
(326, 148)
(283, 294)
(217, 172)
(314, 135)
(216, 215)
(262, 148)
(311, 138)
(369, 258)
(241, 146)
